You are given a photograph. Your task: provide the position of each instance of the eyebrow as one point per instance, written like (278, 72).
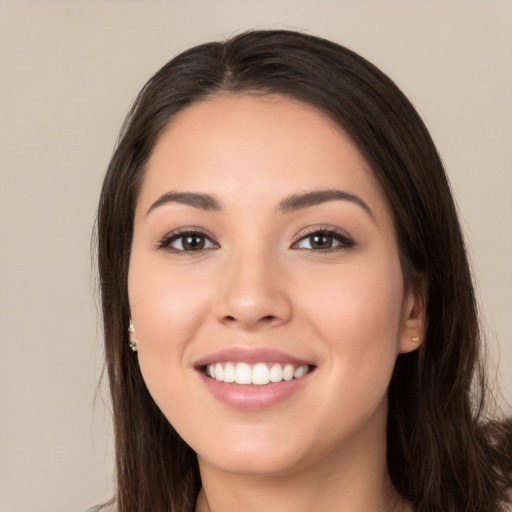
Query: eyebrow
(291, 203)
(299, 201)
(194, 199)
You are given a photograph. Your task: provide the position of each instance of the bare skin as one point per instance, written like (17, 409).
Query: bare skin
(328, 495)
(244, 267)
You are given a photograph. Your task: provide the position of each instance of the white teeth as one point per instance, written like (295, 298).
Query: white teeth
(288, 372)
(300, 372)
(259, 374)
(218, 372)
(276, 373)
(229, 373)
(243, 374)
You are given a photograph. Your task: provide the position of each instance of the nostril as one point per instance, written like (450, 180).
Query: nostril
(267, 318)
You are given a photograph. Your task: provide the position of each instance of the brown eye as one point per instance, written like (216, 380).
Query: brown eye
(192, 242)
(187, 241)
(320, 241)
(324, 241)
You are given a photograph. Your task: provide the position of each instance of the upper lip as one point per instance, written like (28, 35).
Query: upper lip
(251, 356)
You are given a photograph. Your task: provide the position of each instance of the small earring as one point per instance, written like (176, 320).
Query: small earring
(133, 340)
(415, 339)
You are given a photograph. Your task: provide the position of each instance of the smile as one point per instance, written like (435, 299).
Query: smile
(253, 379)
(259, 374)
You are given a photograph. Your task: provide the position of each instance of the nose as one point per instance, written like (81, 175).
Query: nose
(252, 293)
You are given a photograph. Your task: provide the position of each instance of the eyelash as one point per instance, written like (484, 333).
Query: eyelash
(168, 239)
(345, 241)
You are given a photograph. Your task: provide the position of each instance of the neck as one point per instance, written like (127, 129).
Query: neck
(277, 495)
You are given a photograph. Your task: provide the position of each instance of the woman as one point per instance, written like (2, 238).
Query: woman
(289, 316)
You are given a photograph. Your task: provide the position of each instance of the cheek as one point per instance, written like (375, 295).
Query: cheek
(358, 315)
(166, 308)
(162, 302)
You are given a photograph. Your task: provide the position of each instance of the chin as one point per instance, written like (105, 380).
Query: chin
(262, 452)
(252, 463)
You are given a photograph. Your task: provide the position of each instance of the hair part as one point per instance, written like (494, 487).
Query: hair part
(443, 454)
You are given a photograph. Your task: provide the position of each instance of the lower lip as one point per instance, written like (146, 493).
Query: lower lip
(251, 397)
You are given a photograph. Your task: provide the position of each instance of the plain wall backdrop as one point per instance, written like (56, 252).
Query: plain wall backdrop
(68, 73)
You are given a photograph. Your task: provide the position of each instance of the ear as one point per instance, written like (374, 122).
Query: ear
(414, 317)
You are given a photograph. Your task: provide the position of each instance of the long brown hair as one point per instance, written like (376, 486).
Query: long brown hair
(444, 454)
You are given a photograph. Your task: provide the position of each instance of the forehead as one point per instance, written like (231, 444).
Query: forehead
(257, 147)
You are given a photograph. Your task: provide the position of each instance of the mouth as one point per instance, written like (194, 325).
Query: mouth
(257, 374)
(253, 379)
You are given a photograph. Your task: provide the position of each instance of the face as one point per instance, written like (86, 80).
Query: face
(265, 286)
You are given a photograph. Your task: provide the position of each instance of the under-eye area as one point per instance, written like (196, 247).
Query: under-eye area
(259, 374)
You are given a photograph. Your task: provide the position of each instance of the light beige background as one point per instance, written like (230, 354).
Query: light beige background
(68, 72)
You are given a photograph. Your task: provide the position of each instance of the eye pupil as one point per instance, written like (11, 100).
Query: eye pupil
(320, 241)
(193, 242)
